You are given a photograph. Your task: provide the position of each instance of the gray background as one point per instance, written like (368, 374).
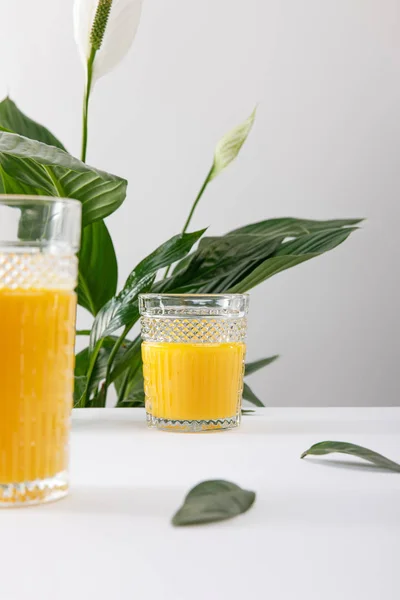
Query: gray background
(326, 75)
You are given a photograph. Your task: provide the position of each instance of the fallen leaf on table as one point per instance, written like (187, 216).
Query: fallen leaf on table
(211, 501)
(353, 450)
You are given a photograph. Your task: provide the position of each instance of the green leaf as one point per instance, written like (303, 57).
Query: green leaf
(255, 366)
(229, 146)
(122, 310)
(29, 173)
(82, 361)
(219, 263)
(13, 186)
(247, 411)
(211, 501)
(79, 389)
(291, 254)
(291, 227)
(130, 357)
(269, 268)
(323, 448)
(58, 173)
(315, 243)
(134, 396)
(98, 269)
(30, 224)
(224, 263)
(100, 398)
(15, 121)
(127, 375)
(250, 396)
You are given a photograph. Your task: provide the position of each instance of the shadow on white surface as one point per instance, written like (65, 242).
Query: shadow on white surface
(136, 502)
(352, 465)
(100, 424)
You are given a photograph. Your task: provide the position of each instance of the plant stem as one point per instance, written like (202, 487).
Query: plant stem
(195, 203)
(194, 206)
(88, 89)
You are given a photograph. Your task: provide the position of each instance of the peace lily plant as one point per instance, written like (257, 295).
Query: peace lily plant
(33, 161)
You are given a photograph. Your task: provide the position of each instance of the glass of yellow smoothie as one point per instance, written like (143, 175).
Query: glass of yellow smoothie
(193, 360)
(39, 238)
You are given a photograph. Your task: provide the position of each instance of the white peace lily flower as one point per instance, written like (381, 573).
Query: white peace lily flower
(225, 152)
(105, 29)
(230, 145)
(104, 32)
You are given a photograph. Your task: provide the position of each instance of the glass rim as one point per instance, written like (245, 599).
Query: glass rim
(18, 199)
(181, 305)
(226, 296)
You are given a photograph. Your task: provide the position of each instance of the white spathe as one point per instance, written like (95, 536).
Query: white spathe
(120, 32)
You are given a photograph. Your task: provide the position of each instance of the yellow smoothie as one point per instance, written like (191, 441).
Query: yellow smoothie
(186, 381)
(36, 382)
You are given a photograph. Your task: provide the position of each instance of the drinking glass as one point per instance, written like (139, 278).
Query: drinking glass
(39, 238)
(193, 360)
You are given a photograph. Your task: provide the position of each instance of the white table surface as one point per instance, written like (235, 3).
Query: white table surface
(318, 530)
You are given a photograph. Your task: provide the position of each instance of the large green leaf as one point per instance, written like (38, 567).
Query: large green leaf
(16, 121)
(291, 254)
(212, 501)
(315, 243)
(13, 120)
(58, 173)
(13, 186)
(219, 263)
(98, 268)
(122, 310)
(30, 226)
(379, 460)
(223, 263)
(291, 227)
(271, 267)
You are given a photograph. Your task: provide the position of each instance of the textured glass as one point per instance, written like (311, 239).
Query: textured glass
(193, 360)
(37, 271)
(38, 276)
